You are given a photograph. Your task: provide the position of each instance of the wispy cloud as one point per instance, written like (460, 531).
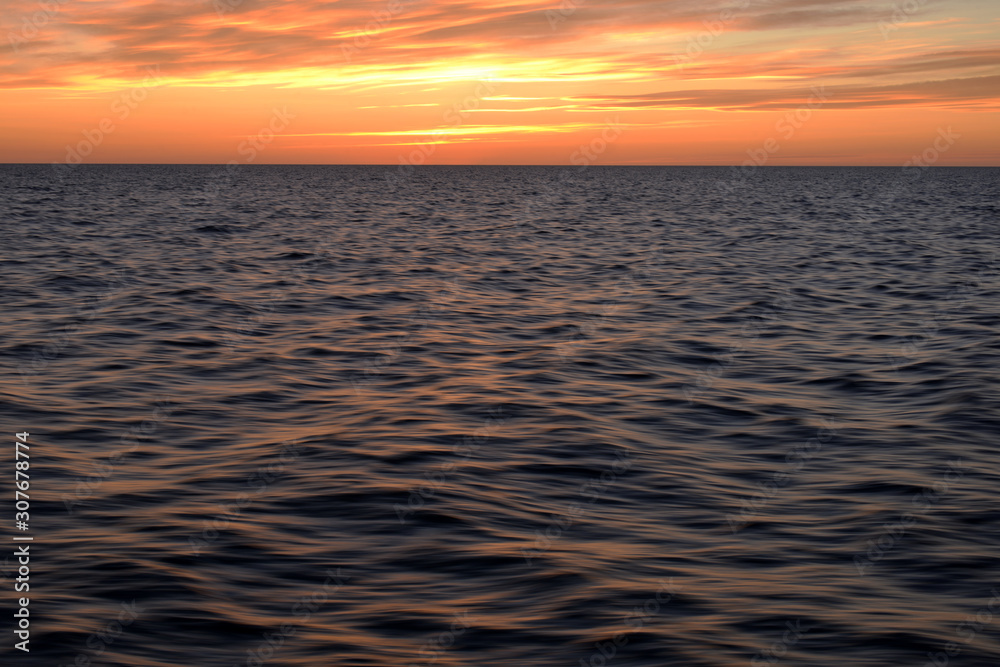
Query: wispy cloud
(421, 56)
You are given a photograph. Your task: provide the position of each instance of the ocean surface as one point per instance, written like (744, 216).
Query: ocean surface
(503, 416)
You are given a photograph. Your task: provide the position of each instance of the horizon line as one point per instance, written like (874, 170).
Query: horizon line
(567, 166)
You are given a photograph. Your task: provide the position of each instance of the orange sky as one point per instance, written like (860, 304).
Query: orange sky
(500, 82)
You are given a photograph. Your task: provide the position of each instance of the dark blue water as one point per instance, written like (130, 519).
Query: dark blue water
(504, 415)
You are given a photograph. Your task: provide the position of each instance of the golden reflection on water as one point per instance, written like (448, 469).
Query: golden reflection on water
(536, 447)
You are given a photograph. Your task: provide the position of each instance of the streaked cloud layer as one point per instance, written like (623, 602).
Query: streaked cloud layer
(510, 81)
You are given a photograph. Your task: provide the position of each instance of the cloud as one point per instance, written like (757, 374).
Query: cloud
(978, 92)
(192, 39)
(827, 65)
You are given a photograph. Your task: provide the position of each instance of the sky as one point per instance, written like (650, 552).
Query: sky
(639, 82)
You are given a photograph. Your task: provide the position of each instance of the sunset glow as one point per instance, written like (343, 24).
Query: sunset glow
(500, 82)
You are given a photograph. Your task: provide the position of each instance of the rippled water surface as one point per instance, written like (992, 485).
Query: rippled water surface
(505, 416)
